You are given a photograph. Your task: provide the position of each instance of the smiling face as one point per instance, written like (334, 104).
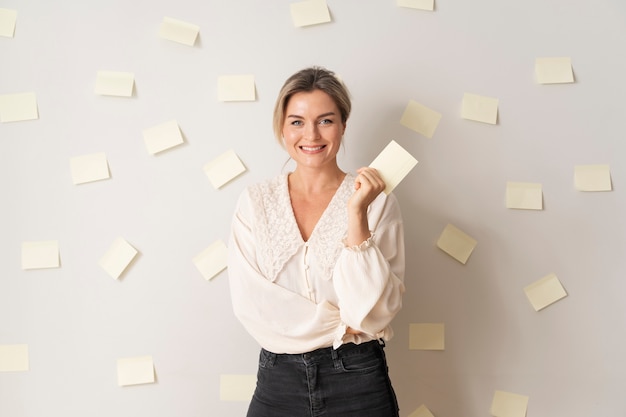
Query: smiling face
(313, 129)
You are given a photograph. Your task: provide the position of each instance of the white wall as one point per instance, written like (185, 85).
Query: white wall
(77, 321)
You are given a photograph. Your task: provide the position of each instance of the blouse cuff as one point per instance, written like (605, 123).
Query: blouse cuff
(367, 243)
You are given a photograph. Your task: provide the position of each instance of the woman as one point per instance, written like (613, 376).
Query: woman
(316, 266)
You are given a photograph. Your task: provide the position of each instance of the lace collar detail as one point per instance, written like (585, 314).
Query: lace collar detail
(277, 232)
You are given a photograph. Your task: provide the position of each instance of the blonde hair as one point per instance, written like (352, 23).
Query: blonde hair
(306, 80)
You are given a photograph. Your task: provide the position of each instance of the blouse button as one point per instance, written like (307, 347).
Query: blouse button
(306, 267)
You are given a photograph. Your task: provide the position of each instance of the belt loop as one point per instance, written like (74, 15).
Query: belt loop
(381, 342)
(335, 356)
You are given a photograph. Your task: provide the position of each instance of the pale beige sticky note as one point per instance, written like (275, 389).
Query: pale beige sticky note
(393, 164)
(545, 291)
(309, 12)
(134, 371)
(592, 178)
(237, 387)
(224, 168)
(420, 118)
(427, 336)
(236, 88)
(115, 83)
(417, 4)
(554, 70)
(422, 411)
(117, 258)
(18, 107)
(88, 168)
(480, 108)
(524, 195)
(507, 404)
(163, 136)
(14, 358)
(178, 31)
(8, 18)
(212, 260)
(40, 254)
(456, 243)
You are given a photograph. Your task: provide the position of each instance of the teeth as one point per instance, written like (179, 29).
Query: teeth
(308, 148)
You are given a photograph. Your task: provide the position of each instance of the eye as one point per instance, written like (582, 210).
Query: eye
(326, 121)
(296, 123)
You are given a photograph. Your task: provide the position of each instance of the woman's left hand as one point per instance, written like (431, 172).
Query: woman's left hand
(367, 185)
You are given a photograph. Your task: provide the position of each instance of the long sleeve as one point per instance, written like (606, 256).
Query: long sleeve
(281, 321)
(369, 279)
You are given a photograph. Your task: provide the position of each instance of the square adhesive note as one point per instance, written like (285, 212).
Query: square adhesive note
(178, 31)
(420, 118)
(422, 411)
(40, 254)
(592, 178)
(417, 4)
(480, 108)
(115, 83)
(134, 371)
(426, 336)
(237, 387)
(212, 260)
(236, 88)
(8, 18)
(524, 195)
(393, 164)
(14, 358)
(507, 404)
(554, 70)
(88, 168)
(456, 243)
(117, 258)
(18, 107)
(545, 291)
(224, 168)
(162, 137)
(309, 12)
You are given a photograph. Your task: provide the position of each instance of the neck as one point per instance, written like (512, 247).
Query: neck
(314, 180)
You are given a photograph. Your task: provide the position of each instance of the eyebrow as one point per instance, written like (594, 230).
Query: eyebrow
(331, 113)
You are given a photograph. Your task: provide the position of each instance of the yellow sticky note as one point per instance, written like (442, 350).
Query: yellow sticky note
(420, 118)
(88, 168)
(8, 18)
(592, 178)
(14, 358)
(117, 258)
(40, 254)
(524, 195)
(554, 70)
(417, 4)
(422, 411)
(236, 88)
(212, 260)
(18, 107)
(506, 404)
(163, 136)
(393, 164)
(237, 387)
(115, 83)
(178, 31)
(134, 371)
(545, 291)
(224, 168)
(480, 108)
(309, 12)
(456, 243)
(426, 336)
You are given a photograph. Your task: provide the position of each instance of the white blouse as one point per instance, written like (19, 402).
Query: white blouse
(294, 296)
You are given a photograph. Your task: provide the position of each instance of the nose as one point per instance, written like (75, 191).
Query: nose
(311, 131)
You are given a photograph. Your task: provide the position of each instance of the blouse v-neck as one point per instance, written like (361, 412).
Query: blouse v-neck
(325, 213)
